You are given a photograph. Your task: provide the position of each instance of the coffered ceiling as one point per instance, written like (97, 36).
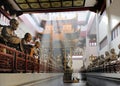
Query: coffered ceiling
(23, 6)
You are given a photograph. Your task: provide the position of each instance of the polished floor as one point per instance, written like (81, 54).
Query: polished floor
(58, 81)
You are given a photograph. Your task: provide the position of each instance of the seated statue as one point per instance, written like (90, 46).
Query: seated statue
(119, 50)
(8, 35)
(107, 57)
(25, 43)
(113, 56)
(8, 32)
(101, 59)
(35, 51)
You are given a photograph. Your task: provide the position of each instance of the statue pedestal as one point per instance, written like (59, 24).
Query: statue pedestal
(68, 75)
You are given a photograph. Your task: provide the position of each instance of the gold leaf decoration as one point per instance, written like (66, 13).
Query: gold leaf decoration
(45, 5)
(20, 1)
(56, 4)
(78, 3)
(24, 6)
(32, 0)
(35, 5)
(43, 0)
(67, 3)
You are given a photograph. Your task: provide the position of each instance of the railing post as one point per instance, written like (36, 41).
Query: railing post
(26, 63)
(38, 65)
(14, 62)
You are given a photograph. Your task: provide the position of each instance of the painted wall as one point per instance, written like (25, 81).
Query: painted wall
(103, 26)
(27, 25)
(90, 50)
(113, 15)
(109, 19)
(115, 19)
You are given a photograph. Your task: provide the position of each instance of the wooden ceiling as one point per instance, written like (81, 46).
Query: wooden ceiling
(47, 4)
(19, 7)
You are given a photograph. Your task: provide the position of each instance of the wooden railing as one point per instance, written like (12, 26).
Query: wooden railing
(14, 61)
(113, 67)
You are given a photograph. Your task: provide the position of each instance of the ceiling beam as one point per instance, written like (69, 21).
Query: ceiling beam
(100, 6)
(58, 10)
